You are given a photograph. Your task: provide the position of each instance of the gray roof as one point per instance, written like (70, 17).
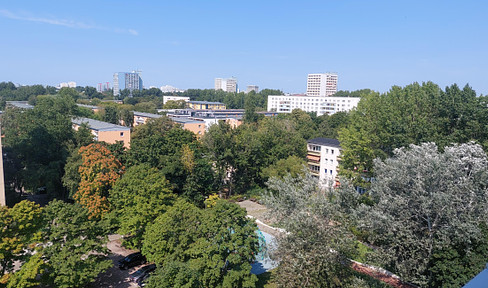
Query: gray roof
(325, 142)
(19, 104)
(87, 106)
(205, 102)
(183, 120)
(148, 115)
(98, 125)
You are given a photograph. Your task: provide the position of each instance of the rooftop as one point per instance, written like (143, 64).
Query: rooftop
(185, 120)
(98, 125)
(148, 115)
(19, 104)
(206, 102)
(325, 142)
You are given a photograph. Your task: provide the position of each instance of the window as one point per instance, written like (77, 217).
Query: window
(315, 148)
(326, 150)
(314, 168)
(325, 171)
(330, 171)
(121, 134)
(331, 161)
(332, 151)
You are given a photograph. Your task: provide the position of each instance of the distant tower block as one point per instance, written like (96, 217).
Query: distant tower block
(3, 198)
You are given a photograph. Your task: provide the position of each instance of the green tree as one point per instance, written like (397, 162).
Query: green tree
(76, 254)
(19, 227)
(214, 246)
(427, 201)
(110, 114)
(139, 197)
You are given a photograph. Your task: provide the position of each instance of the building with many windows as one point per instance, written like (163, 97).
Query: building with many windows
(227, 85)
(322, 84)
(319, 105)
(323, 156)
(127, 80)
(205, 105)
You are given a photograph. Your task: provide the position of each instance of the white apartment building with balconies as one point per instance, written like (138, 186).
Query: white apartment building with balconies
(319, 105)
(322, 84)
(323, 156)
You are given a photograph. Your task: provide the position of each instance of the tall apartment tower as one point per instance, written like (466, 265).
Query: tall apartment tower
(322, 84)
(127, 80)
(227, 85)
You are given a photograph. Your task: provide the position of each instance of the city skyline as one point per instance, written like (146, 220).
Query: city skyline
(373, 44)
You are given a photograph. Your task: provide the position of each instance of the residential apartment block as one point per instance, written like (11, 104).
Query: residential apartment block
(103, 131)
(175, 98)
(322, 84)
(127, 80)
(227, 85)
(317, 104)
(204, 105)
(323, 156)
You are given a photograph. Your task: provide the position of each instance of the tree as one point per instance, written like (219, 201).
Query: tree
(214, 246)
(173, 104)
(19, 227)
(110, 114)
(427, 201)
(38, 138)
(98, 172)
(139, 197)
(315, 251)
(292, 165)
(76, 253)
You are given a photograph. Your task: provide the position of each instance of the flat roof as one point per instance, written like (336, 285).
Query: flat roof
(87, 106)
(325, 142)
(98, 125)
(148, 115)
(185, 120)
(19, 104)
(205, 102)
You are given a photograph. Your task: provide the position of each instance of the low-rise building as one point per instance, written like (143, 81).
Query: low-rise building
(18, 105)
(323, 156)
(318, 104)
(103, 131)
(175, 98)
(204, 105)
(195, 126)
(142, 117)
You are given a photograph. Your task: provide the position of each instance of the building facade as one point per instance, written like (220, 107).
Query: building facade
(323, 156)
(254, 88)
(322, 84)
(127, 80)
(175, 98)
(227, 85)
(204, 105)
(103, 131)
(317, 104)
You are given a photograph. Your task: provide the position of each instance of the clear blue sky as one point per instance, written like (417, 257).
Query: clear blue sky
(273, 44)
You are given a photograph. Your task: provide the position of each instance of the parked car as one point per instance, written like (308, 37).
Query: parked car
(132, 260)
(142, 272)
(141, 282)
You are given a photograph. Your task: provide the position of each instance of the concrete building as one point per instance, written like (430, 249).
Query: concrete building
(254, 88)
(195, 126)
(127, 80)
(170, 89)
(323, 156)
(321, 84)
(103, 131)
(142, 118)
(206, 105)
(227, 85)
(70, 84)
(175, 98)
(317, 104)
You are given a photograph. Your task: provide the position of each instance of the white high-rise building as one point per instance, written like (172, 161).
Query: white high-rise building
(227, 85)
(322, 84)
(317, 104)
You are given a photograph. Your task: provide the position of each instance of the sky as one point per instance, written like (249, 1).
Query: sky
(272, 44)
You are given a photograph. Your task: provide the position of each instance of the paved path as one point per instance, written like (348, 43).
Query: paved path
(114, 277)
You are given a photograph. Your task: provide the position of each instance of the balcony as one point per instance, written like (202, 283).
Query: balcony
(314, 153)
